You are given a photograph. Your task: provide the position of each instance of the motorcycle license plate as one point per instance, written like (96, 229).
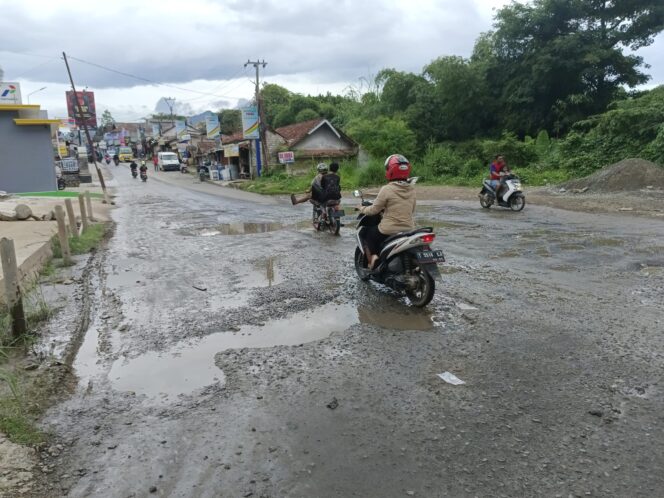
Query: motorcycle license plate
(339, 214)
(433, 256)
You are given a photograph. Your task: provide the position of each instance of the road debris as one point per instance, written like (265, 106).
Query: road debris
(199, 288)
(450, 378)
(332, 405)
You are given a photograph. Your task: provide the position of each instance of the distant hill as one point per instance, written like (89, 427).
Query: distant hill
(199, 118)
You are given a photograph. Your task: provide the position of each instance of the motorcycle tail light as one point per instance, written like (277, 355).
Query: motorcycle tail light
(428, 238)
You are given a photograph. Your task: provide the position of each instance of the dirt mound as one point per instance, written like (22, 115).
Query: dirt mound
(626, 175)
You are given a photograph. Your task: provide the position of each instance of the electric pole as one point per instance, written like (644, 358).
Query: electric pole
(261, 127)
(87, 131)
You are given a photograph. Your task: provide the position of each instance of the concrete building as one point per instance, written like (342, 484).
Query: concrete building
(26, 150)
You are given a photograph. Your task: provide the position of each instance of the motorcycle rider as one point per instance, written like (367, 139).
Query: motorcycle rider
(143, 169)
(497, 170)
(331, 184)
(133, 166)
(396, 200)
(316, 187)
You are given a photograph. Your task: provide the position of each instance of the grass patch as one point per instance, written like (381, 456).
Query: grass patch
(84, 243)
(58, 193)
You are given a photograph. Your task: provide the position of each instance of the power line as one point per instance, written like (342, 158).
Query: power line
(153, 82)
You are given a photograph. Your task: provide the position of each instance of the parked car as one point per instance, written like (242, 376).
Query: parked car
(168, 161)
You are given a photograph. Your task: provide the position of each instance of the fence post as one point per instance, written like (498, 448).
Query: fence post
(12, 290)
(73, 228)
(84, 217)
(88, 203)
(62, 234)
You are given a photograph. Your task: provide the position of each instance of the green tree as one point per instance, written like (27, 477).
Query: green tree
(383, 136)
(306, 115)
(107, 120)
(275, 99)
(230, 121)
(552, 62)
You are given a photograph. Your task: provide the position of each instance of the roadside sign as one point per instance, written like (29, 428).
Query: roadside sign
(286, 157)
(250, 122)
(10, 93)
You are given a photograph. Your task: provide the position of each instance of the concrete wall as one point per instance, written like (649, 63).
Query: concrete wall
(322, 138)
(26, 156)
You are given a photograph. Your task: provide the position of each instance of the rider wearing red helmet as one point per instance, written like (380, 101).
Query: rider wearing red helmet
(396, 201)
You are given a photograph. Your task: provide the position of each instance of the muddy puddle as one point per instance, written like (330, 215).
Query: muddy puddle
(232, 229)
(190, 366)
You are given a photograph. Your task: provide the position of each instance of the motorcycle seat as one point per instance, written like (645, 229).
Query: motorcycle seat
(407, 233)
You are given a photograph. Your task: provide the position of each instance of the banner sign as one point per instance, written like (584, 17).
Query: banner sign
(232, 150)
(155, 130)
(250, 122)
(212, 126)
(286, 157)
(10, 93)
(180, 129)
(86, 100)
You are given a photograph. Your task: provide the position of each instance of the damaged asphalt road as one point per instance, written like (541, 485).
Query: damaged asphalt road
(233, 352)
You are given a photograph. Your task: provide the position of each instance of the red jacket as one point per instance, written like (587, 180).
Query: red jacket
(496, 169)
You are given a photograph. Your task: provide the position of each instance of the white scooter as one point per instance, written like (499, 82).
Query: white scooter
(509, 194)
(406, 262)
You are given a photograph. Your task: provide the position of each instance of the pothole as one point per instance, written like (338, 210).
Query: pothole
(188, 367)
(232, 229)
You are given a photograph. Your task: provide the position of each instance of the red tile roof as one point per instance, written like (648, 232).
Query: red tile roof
(296, 132)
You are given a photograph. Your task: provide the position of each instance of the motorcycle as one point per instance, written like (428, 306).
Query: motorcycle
(116, 161)
(183, 168)
(108, 160)
(327, 217)
(61, 183)
(406, 263)
(134, 173)
(509, 193)
(144, 176)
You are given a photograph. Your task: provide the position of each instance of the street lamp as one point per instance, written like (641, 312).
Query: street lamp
(42, 88)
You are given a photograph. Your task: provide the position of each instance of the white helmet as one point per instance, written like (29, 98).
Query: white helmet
(322, 167)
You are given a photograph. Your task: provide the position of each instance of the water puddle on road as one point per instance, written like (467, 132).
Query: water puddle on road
(190, 366)
(232, 229)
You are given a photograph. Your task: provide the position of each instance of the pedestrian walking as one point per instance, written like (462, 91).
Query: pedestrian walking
(155, 161)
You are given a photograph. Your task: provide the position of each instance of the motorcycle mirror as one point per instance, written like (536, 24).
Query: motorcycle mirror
(357, 193)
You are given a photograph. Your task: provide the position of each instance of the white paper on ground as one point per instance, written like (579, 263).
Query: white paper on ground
(450, 378)
(464, 306)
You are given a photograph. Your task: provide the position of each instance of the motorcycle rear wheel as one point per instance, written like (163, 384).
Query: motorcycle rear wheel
(517, 202)
(423, 293)
(361, 265)
(333, 224)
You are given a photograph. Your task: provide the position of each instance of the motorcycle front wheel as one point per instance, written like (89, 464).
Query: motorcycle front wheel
(361, 265)
(423, 293)
(485, 202)
(517, 202)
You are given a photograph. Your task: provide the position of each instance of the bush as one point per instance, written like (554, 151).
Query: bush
(371, 174)
(439, 161)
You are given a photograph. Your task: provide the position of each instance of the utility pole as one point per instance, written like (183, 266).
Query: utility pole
(261, 127)
(87, 131)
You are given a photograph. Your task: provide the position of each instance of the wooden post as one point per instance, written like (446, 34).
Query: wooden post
(73, 228)
(62, 234)
(12, 290)
(88, 203)
(84, 216)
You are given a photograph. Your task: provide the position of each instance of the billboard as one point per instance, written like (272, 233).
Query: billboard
(155, 130)
(86, 100)
(212, 126)
(10, 93)
(250, 122)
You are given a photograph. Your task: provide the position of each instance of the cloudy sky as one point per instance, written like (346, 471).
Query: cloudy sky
(194, 51)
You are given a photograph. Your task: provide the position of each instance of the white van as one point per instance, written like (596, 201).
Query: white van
(168, 161)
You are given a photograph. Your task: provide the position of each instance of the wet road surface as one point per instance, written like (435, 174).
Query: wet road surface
(233, 352)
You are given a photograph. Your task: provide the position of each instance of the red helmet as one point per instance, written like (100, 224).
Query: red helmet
(397, 167)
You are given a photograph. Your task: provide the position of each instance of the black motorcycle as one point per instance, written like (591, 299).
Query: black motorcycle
(406, 262)
(61, 183)
(144, 176)
(327, 217)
